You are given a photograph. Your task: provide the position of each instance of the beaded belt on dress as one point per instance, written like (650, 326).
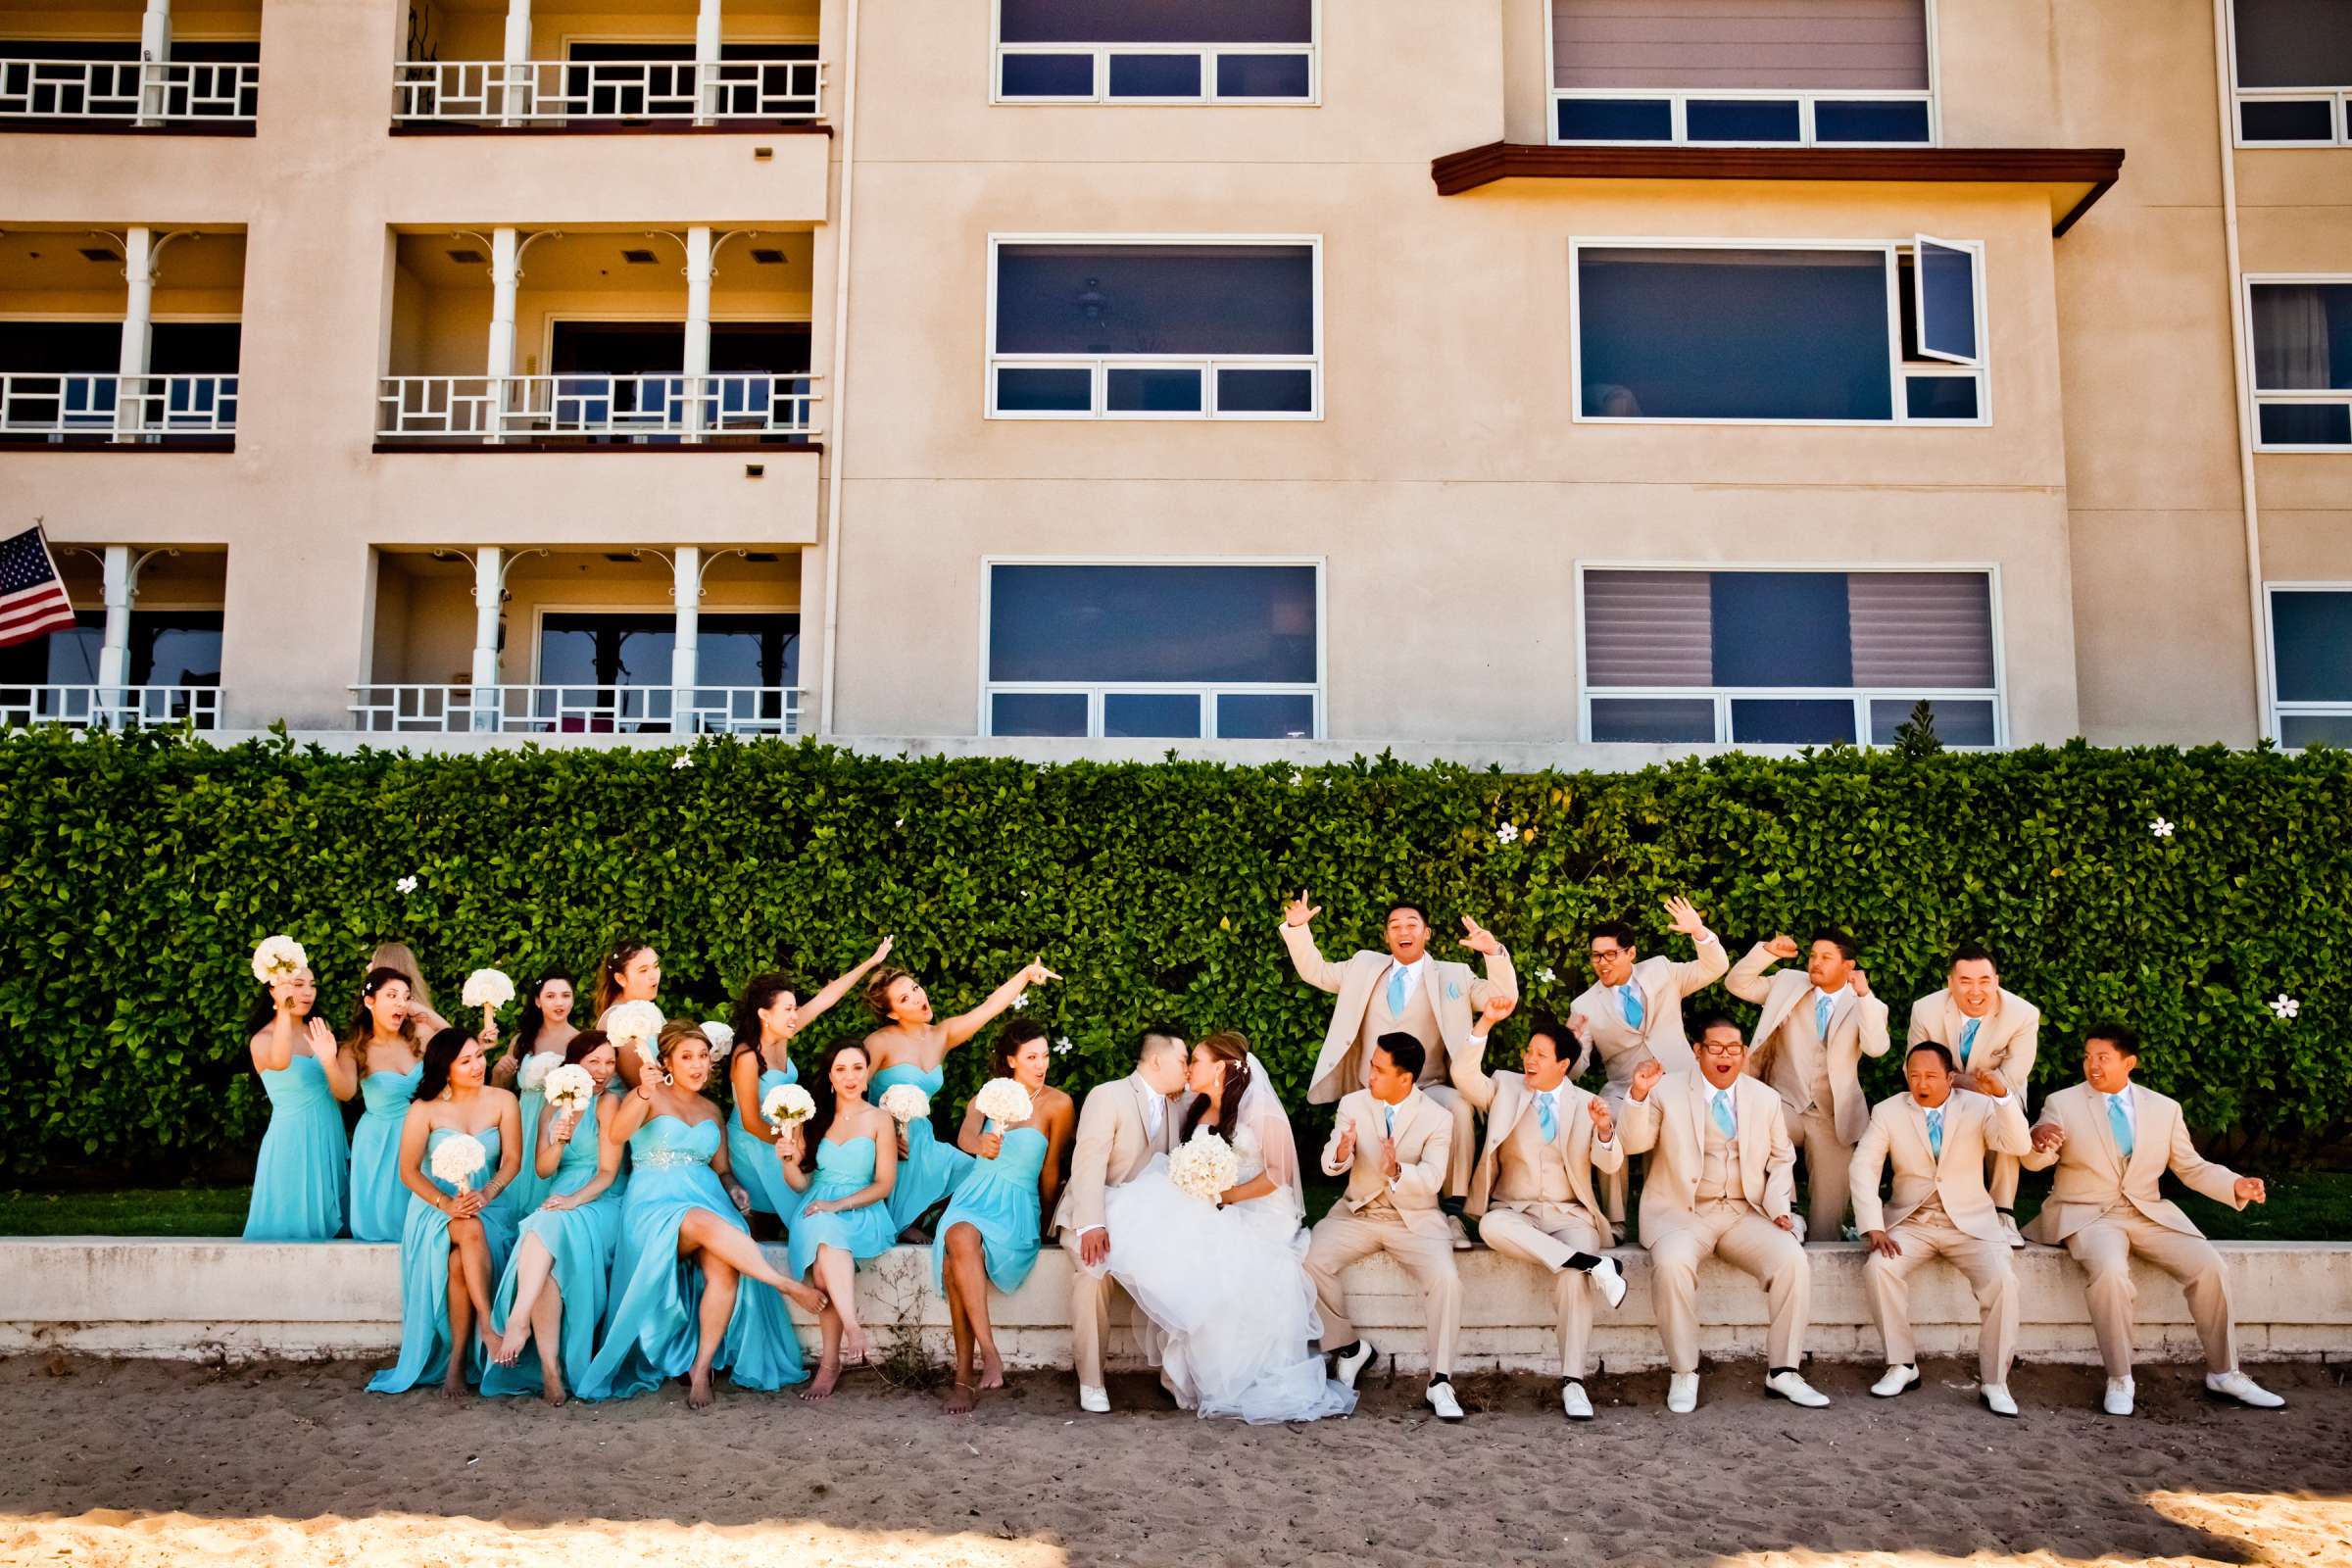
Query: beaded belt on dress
(664, 1158)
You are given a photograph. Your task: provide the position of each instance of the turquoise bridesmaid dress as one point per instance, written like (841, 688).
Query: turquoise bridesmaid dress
(1000, 1201)
(529, 1189)
(582, 1241)
(931, 1168)
(862, 1232)
(379, 1204)
(425, 1278)
(304, 1164)
(649, 1314)
(753, 1160)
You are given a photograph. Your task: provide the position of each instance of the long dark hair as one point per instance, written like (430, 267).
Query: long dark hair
(1232, 1047)
(439, 1053)
(827, 1103)
(760, 992)
(526, 1032)
(608, 973)
(1009, 1043)
(257, 1018)
(363, 1022)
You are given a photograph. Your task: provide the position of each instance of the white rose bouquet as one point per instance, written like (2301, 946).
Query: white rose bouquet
(788, 1105)
(278, 957)
(459, 1160)
(534, 1070)
(1003, 1102)
(569, 1089)
(723, 1040)
(1205, 1168)
(633, 1026)
(905, 1104)
(487, 988)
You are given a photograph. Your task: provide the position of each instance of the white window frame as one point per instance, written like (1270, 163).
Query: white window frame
(1680, 98)
(1101, 365)
(2255, 393)
(1208, 54)
(1207, 691)
(2274, 724)
(1898, 368)
(2337, 97)
(1861, 696)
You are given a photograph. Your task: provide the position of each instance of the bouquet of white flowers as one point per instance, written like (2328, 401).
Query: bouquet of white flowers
(1003, 1102)
(632, 1025)
(487, 988)
(1205, 1167)
(278, 957)
(459, 1160)
(534, 1070)
(788, 1105)
(569, 1089)
(904, 1103)
(723, 1040)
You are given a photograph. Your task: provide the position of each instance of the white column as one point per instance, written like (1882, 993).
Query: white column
(706, 60)
(489, 575)
(138, 311)
(686, 595)
(517, 100)
(698, 329)
(154, 53)
(505, 277)
(114, 653)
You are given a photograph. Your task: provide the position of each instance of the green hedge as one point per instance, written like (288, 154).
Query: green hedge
(136, 874)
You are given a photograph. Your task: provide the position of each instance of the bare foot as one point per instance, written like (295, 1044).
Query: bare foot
(856, 1348)
(509, 1350)
(490, 1340)
(698, 1392)
(808, 1298)
(992, 1370)
(453, 1382)
(960, 1399)
(552, 1394)
(829, 1373)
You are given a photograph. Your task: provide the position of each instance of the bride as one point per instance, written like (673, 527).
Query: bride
(1224, 1282)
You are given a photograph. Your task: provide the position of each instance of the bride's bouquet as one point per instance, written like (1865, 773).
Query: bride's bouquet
(788, 1105)
(905, 1104)
(1205, 1168)
(278, 957)
(459, 1160)
(533, 1072)
(569, 1089)
(488, 989)
(1003, 1102)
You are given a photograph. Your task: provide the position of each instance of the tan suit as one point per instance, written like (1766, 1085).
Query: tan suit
(2103, 1209)
(1399, 1217)
(2008, 1039)
(1816, 1075)
(1115, 1141)
(1662, 984)
(1708, 1195)
(1940, 1210)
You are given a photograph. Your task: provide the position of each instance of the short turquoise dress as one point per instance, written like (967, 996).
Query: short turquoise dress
(754, 1160)
(649, 1323)
(379, 1204)
(931, 1168)
(529, 1189)
(863, 1232)
(424, 1277)
(304, 1168)
(582, 1241)
(1000, 1201)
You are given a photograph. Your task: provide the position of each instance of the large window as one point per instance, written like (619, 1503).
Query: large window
(1887, 332)
(2302, 348)
(1787, 657)
(1174, 651)
(612, 669)
(1155, 329)
(1742, 72)
(1155, 51)
(2294, 71)
(168, 648)
(2311, 664)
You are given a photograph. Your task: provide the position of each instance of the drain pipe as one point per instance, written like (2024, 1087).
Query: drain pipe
(841, 372)
(2258, 604)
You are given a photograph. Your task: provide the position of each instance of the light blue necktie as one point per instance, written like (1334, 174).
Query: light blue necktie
(1632, 1000)
(1396, 993)
(1723, 1123)
(1545, 1122)
(2120, 1125)
(1968, 1038)
(1387, 1114)
(1820, 1016)
(1935, 1132)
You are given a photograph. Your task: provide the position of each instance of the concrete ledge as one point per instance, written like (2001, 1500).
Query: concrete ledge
(206, 1298)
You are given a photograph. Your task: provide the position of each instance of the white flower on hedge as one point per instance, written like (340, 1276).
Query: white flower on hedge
(684, 761)
(459, 1160)
(487, 988)
(534, 1070)
(2161, 828)
(2285, 1006)
(1509, 833)
(1545, 975)
(902, 1103)
(1204, 1167)
(278, 957)
(1061, 1046)
(1003, 1102)
(1021, 1000)
(407, 884)
(788, 1105)
(1297, 780)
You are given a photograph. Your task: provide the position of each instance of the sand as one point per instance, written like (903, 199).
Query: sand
(135, 1463)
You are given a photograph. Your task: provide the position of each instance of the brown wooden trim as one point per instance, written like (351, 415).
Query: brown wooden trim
(105, 127)
(653, 127)
(735, 444)
(18, 443)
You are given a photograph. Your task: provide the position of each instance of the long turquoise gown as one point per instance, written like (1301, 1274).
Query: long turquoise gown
(753, 1160)
(862, 1232)
(1000, 1201)
(304, 1169)
(425, 1278)
(931, 1168)
(582, 1241)
(379, 1204)
(530, 1189)
(650, 1315)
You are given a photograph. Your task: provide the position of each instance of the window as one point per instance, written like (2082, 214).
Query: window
(1171, 651)
(1153, 329)
(2311, 664)
(1770, 657)
(2301, 333)
(2294, 71)
(1823, 336)
(1743, 73)
(168, 648)
(1155, 51)
(609, 665)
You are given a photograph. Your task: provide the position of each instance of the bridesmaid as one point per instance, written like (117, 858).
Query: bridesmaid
(553, 1291)
(630, 972)
(845, 1184)
(766, 1017)
(991, 1231)
(544, 1032)
(383, 1048)
(400, 955)
(677, 1306)
(453, 1242)
(304, 1170)
(910, 1049)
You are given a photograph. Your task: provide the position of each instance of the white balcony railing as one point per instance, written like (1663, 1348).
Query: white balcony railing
(556, 92)
(113, 90)
(520, 408)
(95, 706)
(456, 709)
(123, 407)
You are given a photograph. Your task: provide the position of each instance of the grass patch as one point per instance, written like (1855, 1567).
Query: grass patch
(127, 1211)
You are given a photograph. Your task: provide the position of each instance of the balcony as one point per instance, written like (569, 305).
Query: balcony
(599, 408)
(145, 648)
(449, 710)
(146, 409)
(113, 708)
(125, 66)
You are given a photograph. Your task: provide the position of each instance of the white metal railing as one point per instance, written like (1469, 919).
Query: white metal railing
(1170, 374)
(541, 92)
(124, 408)
(1678, 105)
(1719, 702)
(1102, 85)
(2336, 101)
(129, 90)
(94, 706)
(459, 707)
(2307, 399)
(517, 408)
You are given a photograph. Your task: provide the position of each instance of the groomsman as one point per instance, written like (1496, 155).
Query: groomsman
(1817, 1025)
(1937, 1137)
(1532, 1192)
(2112, 1141)
(1721, 1183)
(1991, 1033)
(1404, 991)
(1633, 1013)
(1392, 1142)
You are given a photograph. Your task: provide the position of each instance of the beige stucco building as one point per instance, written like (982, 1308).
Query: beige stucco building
(1539, 379)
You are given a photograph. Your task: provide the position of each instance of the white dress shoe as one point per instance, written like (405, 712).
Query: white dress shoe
(1612, 1279)
(1347, 1368)
(1094, 1402)
(1996, 1399)
(1896, 1379)
(1796, 1390)
(2118, 1401)
(2009, 1231)
(1573, 1402)
(1682, 1393)
(2244, 1389)
(1441, 1399)
(1461, 1237)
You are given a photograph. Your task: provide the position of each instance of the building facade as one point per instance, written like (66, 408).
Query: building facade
(1590, 379)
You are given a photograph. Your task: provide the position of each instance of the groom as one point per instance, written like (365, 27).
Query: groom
(1121, 1127)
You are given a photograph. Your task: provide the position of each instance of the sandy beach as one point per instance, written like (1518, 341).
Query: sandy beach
(137, 1463)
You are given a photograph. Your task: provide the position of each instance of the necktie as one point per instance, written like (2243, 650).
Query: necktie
(2119, 1124)
(1546, 1122)
(1387, 1116)
(1723, 1123)
(1632, 1000)
(1935, 1132)
(1396, 993)
(1968, 1038)
(1155, 1112)
(1821, 1017)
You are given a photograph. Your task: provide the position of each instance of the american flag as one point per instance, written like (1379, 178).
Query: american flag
(33, 598)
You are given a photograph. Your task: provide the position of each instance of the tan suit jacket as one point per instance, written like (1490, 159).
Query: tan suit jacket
(1785, 1050)
(1663, 984)
(1508, 1165)
(1672, 1122)
(1112, 1146)
(1424, 1145)
(1455, 995)
(2093, 1177)
(2007, 1041)
(1973, 1126)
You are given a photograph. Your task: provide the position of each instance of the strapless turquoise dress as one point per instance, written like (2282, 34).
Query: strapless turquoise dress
(379, 1204)
(424, 1277)
(582, 1241)
(753, 1160)
(304, 1168)
(650, 1315)
(862, 1232)
(529, 1189)
(931, 1168)
(1000, 1201)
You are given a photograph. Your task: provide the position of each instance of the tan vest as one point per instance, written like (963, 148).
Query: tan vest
(1420, 1020)
(1531, 1168)
(1719, 1166)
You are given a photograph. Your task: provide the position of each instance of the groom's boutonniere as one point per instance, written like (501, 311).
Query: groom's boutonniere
(1453, 990)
